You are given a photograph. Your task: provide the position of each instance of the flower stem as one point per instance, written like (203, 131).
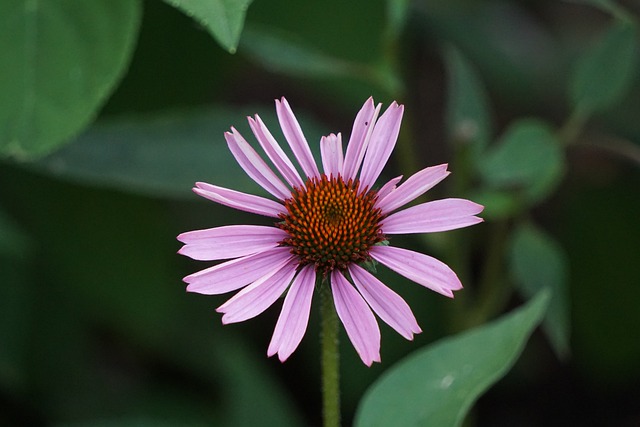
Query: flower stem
(330, 359)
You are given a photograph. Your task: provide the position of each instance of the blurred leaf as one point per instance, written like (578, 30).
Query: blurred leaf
(14, 243)
(538, 262)
(497, 204)
(609, 6)
(60, 61)
(224, 19)
(607, 70)
(517, 56)
(468, 120)
(527, 157)
(162, 155)
(281, 52)
(436, 386)
(397, 11)
(166, 153)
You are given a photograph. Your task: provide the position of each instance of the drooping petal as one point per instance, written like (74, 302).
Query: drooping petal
(360, 134)
(274, 152)
(438, 215)
(229, 241)
(258, 296)
(294, 136)
(332, 156)
(238, 200)
(357, 318)
(254, 166)
(387, 304)
(383, 140)
(234, 274)
(294, 317)
(414, 187)
(422, 269)
(388, 188)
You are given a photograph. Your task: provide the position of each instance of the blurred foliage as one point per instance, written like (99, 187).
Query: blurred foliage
(112, 109)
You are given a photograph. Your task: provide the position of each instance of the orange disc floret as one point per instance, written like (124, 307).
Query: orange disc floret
(331, 223)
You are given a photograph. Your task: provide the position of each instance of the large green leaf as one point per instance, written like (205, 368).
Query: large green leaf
(164, 154)
(538, 262)
(224, 19)
(527, 158)
(60, 61)
(436, 386)
(607, 70)
(468, 118)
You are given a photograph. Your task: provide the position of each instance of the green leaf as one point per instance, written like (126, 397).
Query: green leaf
(468, 118)
(605, 73)
(497, 204)
(436, 386)
(60, 61)
(281, 52)
(527, 158)
(161, 155)
(396, 18)
(164, 154)
(608, 6)
(538, 262)
(223, 19)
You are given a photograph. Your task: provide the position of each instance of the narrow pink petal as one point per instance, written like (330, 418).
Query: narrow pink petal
(238, 200)
(388, 188)
(438, 215)
(275, 153)
(414, 187)
(254, 166)
(360, 134)
(234, 274)
(332, 156)
(294, 317)
(294, 136)
(387, 304)
(229, 241)
(383, 141)
(422, 269)
(357, 318)
(258, 296)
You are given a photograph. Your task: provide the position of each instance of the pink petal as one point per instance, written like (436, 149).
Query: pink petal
(294, 136)
(388, 188)
(387, 304)
(238, 200)
(234, 274)
(439, 215)
(332, 156)
(294, 317)
(414, 187)
(360, 135)
(258, 296)
(229, 242)
(275, 153)
(422, 269)
(254, 166)
(357, 318)
(383, 140)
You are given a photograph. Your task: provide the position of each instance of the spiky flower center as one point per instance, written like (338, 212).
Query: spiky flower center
(331, 223)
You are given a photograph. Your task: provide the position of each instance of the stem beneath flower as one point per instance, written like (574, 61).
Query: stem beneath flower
(330, 359)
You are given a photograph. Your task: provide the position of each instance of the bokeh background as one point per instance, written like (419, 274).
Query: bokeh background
(96, 328)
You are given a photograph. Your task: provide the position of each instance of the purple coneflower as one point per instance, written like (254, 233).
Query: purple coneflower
(327, 225)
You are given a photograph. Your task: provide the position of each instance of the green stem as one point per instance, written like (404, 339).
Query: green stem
(330, 359)
(494, 290)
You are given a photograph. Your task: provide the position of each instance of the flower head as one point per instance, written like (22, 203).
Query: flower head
(326, 225)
